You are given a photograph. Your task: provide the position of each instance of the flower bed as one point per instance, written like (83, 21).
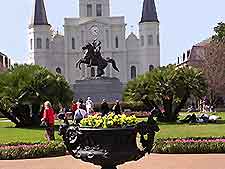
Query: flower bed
(199, 145)
(190, 146)
(34, 150)
(109, 121)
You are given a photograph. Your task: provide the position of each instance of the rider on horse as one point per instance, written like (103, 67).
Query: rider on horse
(97, 50)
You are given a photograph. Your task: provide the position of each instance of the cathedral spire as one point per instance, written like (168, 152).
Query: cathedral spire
(149, 13)
(39, 15)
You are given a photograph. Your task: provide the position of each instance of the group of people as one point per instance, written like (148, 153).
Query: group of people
(78, 111)
(105, 108)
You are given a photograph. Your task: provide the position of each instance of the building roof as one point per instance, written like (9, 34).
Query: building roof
(2, 54)
(39, 14)
(149, 13)
(204, 42)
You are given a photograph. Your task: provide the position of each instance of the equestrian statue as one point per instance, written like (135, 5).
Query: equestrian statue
(93, 57)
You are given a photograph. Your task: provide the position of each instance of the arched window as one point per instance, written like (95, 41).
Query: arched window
(142, 40)
(89, 10)
(150, 40)
(82, 37)
(99, 10)
(47, 43)
(117, 42)
(133, 72)
(39, 43)
(158, 41)
(107, 38)
(31, 44)
(58, 70)
(92, 72)
(150, 68)
(73, 43)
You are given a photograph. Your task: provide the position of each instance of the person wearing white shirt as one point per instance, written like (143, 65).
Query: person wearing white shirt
(79, 114)
(89, 105)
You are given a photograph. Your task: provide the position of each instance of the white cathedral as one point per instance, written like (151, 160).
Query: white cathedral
(59, 53)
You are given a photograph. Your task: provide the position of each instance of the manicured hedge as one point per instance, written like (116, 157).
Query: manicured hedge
(13, 151)
(198, 145)
(137, 106)
(190, 145)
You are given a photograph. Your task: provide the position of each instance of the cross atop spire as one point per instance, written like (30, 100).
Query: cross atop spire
(149, 13)
(39, 15)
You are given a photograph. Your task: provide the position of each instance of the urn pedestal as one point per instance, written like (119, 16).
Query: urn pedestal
(111, 146)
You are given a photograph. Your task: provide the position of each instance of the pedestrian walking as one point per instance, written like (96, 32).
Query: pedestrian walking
(49, 119)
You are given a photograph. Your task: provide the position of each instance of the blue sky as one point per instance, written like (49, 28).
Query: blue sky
(182, 22)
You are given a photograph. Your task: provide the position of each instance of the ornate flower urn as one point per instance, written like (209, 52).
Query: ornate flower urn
(109, 147)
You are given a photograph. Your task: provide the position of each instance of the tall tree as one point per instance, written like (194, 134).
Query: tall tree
(213, 64)
(30, 84)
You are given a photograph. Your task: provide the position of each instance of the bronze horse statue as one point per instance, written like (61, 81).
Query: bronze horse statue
(93, 57)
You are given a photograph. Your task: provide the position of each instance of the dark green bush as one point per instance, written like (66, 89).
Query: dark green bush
(13, 151)
(135, 106)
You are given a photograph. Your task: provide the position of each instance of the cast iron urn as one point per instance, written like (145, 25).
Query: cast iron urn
(109, 147)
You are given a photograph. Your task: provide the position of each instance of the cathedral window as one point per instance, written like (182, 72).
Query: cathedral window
(6, 62)
(133, 72)
(142, 40)
(150, 40)
(89, 10)
(150, 68)
(107, 38)
(73, 43)
(99, 10)
(47, 43)
(117, 42)
(92, 72)
(39, 43)
(58, 70)
(82, 37)
(31, 44)
(158, 40)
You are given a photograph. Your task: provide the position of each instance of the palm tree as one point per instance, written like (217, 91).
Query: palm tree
(168, 87)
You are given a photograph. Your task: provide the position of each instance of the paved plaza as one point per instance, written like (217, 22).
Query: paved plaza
(154, 161)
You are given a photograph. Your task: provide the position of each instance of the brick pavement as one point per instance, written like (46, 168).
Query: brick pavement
(153, 161)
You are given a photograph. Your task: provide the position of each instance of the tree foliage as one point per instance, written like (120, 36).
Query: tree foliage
(30, 84)
(168, 87)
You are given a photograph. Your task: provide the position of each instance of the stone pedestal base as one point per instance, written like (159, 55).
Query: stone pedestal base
(98, 88)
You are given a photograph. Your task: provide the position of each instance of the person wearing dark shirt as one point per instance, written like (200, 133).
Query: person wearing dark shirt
(104, 107)
(117, 108)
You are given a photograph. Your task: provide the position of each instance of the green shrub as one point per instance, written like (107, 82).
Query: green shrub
(13, 151)
(135, 106)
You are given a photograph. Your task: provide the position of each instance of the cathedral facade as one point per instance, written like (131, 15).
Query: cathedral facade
(134, 55)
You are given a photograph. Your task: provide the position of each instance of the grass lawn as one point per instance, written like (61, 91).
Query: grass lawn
(10, 134)
(190, 130)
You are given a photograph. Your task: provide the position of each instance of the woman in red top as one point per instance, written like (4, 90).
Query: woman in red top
(49, 118)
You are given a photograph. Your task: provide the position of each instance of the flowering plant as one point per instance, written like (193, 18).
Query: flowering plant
(109, 121)
(211, 140)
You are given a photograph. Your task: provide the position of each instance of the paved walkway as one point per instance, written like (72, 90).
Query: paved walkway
(154, 161)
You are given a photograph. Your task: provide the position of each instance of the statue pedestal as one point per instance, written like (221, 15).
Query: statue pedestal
(98, 88)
